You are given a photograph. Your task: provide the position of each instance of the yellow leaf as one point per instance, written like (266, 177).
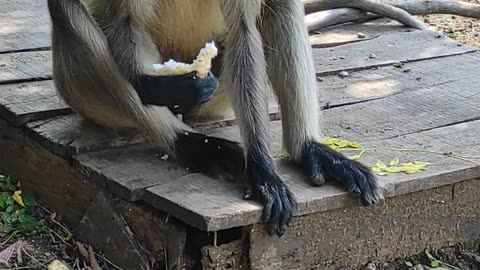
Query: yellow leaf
(382, 173)
(393, 169)
(355, 157)
(394, 162)
(380, 165)
(353, 145)
(341, 143)
(17, 196)
(412, 171)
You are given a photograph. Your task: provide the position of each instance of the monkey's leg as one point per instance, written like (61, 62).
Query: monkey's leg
(291, 71)
(245, 77)
(89, 80)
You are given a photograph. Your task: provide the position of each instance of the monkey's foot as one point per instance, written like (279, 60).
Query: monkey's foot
(210, 155)
(277, 200)
(321, 162)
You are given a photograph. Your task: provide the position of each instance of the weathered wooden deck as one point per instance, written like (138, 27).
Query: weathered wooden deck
(71, 164)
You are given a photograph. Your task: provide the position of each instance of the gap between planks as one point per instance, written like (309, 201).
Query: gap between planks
(362, 90)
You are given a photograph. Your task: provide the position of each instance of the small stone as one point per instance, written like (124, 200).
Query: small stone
(361, 35)
(371, 266)
(341, 57)
(343, 74)
(418, 78)
(409, 264)
(398, 64)
(186, 133)
(320, 79)
(372, 56)
(165, 157)
(206, 140)
(407, 70)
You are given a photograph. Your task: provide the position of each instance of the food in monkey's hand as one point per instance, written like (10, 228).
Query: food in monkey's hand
(201, 65)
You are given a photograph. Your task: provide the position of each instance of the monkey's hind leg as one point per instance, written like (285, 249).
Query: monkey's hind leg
(291, 71)
(245, 76)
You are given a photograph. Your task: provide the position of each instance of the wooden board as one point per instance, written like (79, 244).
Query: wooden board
(133, 167)
(213, 205)
(25, 66)
(389, 48)
(349, 33)
(70, 134)
(30, 101)
(24, 25)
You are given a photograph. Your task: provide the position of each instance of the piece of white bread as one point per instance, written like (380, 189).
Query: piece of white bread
(201, 65)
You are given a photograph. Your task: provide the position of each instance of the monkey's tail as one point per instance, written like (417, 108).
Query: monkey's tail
(89, 80)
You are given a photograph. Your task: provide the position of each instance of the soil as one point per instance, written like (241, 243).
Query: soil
(462, 29)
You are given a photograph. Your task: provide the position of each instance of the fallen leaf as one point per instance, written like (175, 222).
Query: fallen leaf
(394, 161)
(17, 197)
(58, 265)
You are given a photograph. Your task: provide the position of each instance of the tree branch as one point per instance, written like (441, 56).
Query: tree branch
(324, 13)
(373, 6)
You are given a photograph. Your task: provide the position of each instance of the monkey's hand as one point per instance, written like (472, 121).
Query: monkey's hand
(321, 162)
(267, 187)
(180, 93)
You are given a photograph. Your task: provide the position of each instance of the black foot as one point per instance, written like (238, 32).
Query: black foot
(267, 187)
(210, 155)
(179, 93)
(321, 162)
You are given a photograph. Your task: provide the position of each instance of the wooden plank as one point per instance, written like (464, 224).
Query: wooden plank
(385, 81)
(70, 135)
(25, 66)
(214, 205)
(133, 168)
(24, 25)
(389, 48)
(349, 33)
(30, 101)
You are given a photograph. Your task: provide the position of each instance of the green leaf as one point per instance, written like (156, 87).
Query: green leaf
(435, 263)
(30, 202)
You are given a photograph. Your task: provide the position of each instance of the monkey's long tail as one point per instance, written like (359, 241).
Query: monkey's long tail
(87, 77)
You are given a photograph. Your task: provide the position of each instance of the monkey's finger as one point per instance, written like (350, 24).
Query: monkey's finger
(267, 208)
(277, 212)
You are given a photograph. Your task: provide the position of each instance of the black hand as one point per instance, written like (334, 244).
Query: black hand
(179, 93)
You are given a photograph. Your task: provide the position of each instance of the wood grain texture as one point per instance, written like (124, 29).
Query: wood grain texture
(24, 25)
(25, 66)
(127, 171)
(30, 101)
(389, 48)
(213, 205)
(349, 33)
(47, 177)
(70, 134)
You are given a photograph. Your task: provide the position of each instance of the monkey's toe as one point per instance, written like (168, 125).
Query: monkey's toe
(278, 203)
(321, 162)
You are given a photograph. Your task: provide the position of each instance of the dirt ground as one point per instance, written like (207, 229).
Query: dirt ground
(465, 30)
(49, 241)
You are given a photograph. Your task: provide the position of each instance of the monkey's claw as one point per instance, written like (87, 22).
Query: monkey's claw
(277, 200)
(320, 163)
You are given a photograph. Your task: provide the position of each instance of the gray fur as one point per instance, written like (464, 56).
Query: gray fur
(97, 89)
(245, 71)
(291, 71)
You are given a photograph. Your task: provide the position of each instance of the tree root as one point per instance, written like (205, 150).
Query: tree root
(324, 13)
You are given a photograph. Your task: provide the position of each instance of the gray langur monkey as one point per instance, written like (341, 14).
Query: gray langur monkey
(103, 51)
